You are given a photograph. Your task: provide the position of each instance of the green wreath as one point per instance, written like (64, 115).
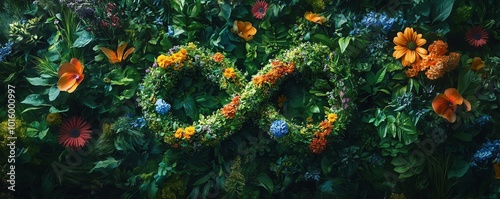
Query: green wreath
(246, 98)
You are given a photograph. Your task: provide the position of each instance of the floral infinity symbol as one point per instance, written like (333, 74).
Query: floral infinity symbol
(249, 99)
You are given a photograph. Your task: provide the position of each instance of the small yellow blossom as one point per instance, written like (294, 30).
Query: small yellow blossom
(332, 117)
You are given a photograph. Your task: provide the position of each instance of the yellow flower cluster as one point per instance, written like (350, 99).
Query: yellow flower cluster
(175, 60)
(229, 73)
(185, 133)
(332, 117)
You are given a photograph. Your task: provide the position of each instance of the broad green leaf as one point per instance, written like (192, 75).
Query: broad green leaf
(83, 39)
(34, 99)
(109, 163)
(266, 182)
(225, 11)
(37, 81)
(458, 168)
(53, 92)
(56, 110)
(441, 10)
(380, 75)
(43, 133)
(323, 39)
(203, 179)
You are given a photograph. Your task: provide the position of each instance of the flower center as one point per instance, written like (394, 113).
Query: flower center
(77, 77)
(411, 45)
(74, 133)
(261, 10)
(477, 36)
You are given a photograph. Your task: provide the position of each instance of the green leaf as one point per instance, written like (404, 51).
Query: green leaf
(109, 163)
(266, 182)
(31, 109)
(190, 107)
(37, 81)
(314, 109)
(343, 43)
(380, 75)
(458, 168)
(441, 10)
(225, 11)
(323, 39)
(43, 133)
(83, 39)
(53, 92)
(56, 110)
(203, 179)
(34, 99)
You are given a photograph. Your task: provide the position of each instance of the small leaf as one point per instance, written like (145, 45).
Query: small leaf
(441, 10)
(109, 163)
(343, 43)
(380, 75)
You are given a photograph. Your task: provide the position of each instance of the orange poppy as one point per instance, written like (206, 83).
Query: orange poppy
(70, 75)
(244, 29)
(119, 55)
(445, 104)
(315, 18)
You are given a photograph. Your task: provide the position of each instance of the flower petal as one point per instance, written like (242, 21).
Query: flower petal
(453, 96)
(467, 104)
(77, 64)
(440, 104)
(450, 115)
(421, 51)
(66, 81)
(420, 42)
(67, 67)
(399, 53)
(410, 56)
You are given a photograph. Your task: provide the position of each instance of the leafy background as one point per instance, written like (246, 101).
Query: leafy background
(394, 146)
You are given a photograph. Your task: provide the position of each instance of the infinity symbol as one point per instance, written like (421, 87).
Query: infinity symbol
(310, 62)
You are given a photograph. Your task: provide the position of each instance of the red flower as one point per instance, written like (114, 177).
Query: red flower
(445, 104)
(74, 133)
(259, 9)
(476, 36)
(318, 145)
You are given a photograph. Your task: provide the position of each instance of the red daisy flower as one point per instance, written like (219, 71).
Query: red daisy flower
(74, 133)
(259, 9)
(476, 36)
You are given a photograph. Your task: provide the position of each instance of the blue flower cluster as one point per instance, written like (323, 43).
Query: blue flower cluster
(139, 123)
(483, 120)
(162, 107)
(373, 21)
(279, 128)
(489, 150)
(5, 50)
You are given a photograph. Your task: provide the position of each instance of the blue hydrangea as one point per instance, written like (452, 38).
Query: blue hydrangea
(373, 21)
(5, 50)
(279, 128)
(483, 120)
(162, 107)
(139, 123)
(489, 150)
(170, 31)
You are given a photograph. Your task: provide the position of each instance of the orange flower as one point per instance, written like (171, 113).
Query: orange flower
(259, 80)
(477, 63)
(315, 18)
(175, 60)
(119, 55)
(496, 168)
(318, 145)
(70, 75)
(326, 127)
(244, 29)
(218, 57)
(445, 104)
(229, 110)
(229, 73)
(281, 100)
(408, 44)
